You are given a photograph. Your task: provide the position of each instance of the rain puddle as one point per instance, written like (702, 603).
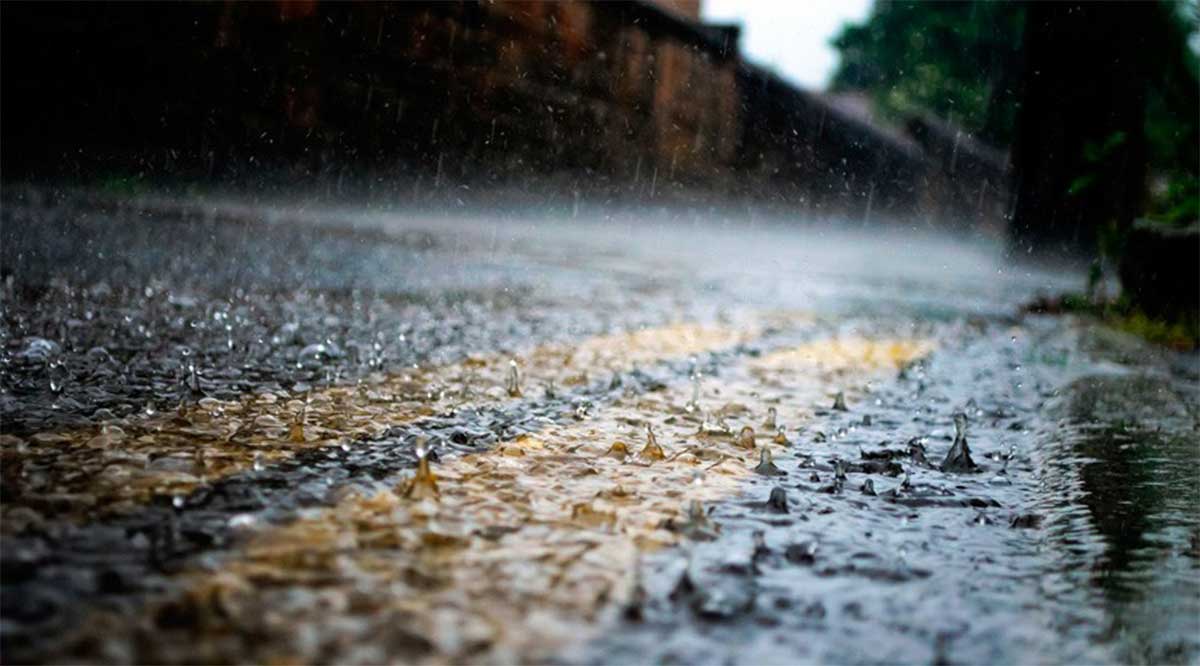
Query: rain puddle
(1070, 537)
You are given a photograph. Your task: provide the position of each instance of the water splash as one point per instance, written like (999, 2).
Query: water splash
(693, 405)
(769, 422)
(958, 459)
(777, 502)
(696, 524)
(296, 431)
(781, 437)
(745, 438)
(652, 450)
(618, 451)
(513, 383)
(766, 465)
(423, 484)
(839, 402)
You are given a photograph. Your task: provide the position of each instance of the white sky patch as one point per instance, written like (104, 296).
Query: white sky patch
(790, 36)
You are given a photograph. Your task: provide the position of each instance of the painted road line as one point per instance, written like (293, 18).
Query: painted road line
(121, 464)
(524, 549)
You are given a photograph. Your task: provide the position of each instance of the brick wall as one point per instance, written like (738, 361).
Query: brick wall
(625, 99)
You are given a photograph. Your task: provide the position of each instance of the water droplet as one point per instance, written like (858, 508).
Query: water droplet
(769, 422)
(781, 437)
(618, 451)
(423, 484)
(745, 438)
(513, 384)
(777, 501)
(766, 464)
(243, 522)
(839, 402)
(693, 405)
(652, 451)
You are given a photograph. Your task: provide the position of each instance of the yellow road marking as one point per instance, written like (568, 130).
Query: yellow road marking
(121, 464)
(529, 547)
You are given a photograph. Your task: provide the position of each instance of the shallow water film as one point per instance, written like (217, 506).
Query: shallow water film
(260, 433)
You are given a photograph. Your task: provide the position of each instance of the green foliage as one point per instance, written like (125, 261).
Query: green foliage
(1181, 332)
(959, 60)
(1173, 118)
(1179, 203)
(1095, 156)
(962, 61)
(125, 185)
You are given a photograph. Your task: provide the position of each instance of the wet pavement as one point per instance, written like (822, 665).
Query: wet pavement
(650, 436)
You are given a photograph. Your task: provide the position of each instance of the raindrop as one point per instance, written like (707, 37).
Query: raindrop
(513, 385)
(745, 438)
(423, 484)
(652, 451)
(839, 402)
(296, 432)
(618, 451)
(781, 437)
(777, 501)
(766, 465)
(958, 458)
(693, 405)
(615, 382)
(697, 524)
(38, 350)
(769, 423)
(243, 521)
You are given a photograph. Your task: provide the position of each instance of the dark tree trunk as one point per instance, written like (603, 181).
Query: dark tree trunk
(1080, 149)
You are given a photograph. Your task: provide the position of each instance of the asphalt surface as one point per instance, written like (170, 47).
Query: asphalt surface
(213, 412)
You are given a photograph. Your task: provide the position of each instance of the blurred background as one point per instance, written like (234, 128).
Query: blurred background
(1048, 122)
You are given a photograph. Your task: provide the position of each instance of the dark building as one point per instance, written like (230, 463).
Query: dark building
(615, 99)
